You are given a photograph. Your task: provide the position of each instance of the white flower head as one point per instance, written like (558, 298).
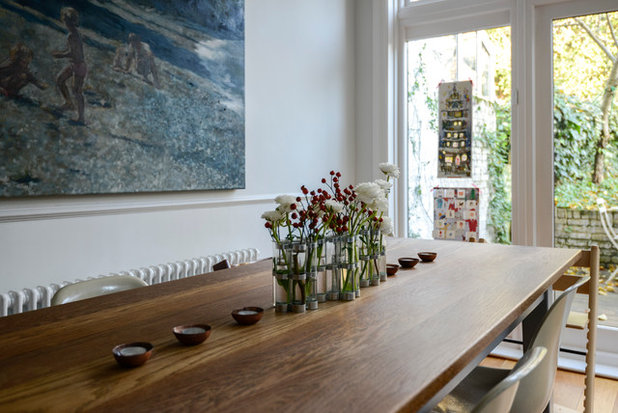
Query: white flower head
(273, 216)
(333, 205)
(385, 185)
(386, 226)
(379, 205)
(285, 201)
(369, 192)
(390, 170)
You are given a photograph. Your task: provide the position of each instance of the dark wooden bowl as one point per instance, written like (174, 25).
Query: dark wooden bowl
(192, 334)
(248, 315)
(391, 269)
(427, 256)
(408, 262)
(132, 354)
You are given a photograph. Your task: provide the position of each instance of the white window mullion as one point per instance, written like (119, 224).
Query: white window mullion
(521, 135)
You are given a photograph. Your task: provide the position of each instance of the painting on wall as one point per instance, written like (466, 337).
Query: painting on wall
(455, 129)
(110, 96)
(456, 213)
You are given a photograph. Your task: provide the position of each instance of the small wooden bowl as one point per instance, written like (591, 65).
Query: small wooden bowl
(248, 315)
(427, 256)
(132, 354)
(408, 262)
(193, 334)
(391, 269)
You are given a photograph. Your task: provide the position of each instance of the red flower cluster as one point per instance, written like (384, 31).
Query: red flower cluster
(311, 217)
(310, 212)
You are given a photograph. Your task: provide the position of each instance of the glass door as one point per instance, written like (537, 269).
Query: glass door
(586, 141)
(576, 128)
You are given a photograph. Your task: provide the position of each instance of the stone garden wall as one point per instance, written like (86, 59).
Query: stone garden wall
(581, 229)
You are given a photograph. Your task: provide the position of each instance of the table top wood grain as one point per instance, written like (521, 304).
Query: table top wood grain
(392, 349)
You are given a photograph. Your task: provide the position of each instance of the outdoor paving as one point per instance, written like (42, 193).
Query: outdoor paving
(607, 304)
(607, 301)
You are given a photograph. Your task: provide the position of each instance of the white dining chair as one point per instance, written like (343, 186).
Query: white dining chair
(535, 389)
(222, 265)
(500, 398)
(96, 287)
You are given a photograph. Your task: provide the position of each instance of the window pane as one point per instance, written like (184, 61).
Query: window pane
(484, 58)
(586, 146)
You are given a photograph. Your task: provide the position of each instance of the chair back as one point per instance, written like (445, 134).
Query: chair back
(222, 265)
(500, 398)
(93, 288)
(535, 389)
(606, 222)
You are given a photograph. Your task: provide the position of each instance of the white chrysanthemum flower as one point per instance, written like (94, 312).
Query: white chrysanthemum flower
(368, 192)
(285, 199)
(386, 186)
(273, 216)
(333, 205)
(390, 170)
(284, 202)
(386, 226)
(379, 205)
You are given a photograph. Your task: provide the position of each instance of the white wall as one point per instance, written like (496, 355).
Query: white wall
(299, 125)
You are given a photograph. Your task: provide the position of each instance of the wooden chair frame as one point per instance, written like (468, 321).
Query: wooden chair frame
(606, 222)
(589, 259)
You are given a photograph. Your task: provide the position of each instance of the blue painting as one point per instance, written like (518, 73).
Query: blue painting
(121, 96)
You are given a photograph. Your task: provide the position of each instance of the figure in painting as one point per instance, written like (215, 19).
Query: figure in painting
(76, 69)
(15, 72)
(141, 58)
(120, 58)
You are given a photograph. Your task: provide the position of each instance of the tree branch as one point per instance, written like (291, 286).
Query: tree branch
(611, 29)
(596, 39)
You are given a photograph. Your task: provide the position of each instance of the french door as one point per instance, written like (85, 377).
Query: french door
(568, 220)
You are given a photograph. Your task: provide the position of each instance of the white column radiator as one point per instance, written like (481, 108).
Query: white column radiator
(15, 302)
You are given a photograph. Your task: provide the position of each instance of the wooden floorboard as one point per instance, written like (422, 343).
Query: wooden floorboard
(569, 390)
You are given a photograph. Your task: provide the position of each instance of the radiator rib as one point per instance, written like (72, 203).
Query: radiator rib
(15, 302)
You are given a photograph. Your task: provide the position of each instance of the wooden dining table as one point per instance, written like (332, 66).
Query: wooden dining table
(400, 346)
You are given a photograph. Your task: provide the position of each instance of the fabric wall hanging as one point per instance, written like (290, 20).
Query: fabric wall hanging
(456, 213)
(455, 129)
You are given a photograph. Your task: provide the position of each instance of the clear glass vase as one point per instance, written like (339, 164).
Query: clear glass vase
(333, 278)
(299, 297)
(311, 268)
(382, 262)
(311, 291)
(370, 248)
(302, 273)
(348, 267)
(281, 293)
(281, 281)
(364, 248)
(322, 269)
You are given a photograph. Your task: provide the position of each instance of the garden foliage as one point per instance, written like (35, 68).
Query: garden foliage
(577, 126)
